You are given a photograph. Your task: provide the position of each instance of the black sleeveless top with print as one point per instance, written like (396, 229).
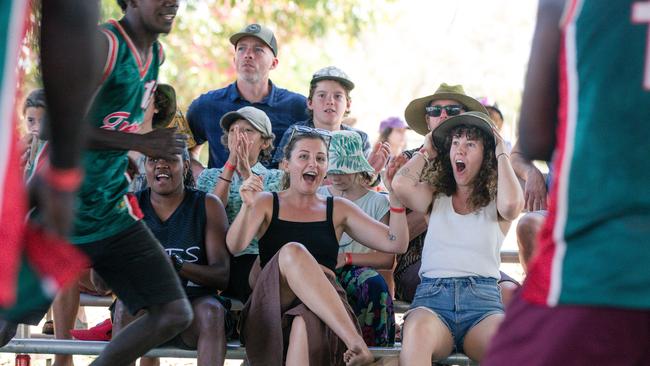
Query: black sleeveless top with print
(319, 237)
(183, 233)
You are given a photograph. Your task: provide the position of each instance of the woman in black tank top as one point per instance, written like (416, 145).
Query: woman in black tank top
(299, 232)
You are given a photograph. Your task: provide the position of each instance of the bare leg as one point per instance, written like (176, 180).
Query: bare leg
(159, 324)
(297, 354)
(425, 337)
(303, 277)
(527, 229)
(478, 337)
(64, 314)
(208, 331)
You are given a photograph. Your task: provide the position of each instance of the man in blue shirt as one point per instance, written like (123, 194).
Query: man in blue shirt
(255, 56)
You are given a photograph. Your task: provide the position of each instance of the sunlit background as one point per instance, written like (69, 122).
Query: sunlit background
(394, 51)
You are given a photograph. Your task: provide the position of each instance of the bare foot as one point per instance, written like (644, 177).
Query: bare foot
(357, 356)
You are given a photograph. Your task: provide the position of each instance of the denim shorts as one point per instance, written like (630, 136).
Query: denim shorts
(460, 302)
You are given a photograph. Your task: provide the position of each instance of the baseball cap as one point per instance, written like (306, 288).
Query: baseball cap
(332, 73)
(258, 31)
(255, 116)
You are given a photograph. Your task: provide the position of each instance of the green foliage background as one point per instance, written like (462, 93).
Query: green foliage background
(199, 54)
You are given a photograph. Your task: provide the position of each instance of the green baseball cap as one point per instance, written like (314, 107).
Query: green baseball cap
(258, 31)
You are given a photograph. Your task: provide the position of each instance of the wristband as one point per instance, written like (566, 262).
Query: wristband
(229, 166)
(348, 259)
(64, 180)
(397, 209)
(224, 179)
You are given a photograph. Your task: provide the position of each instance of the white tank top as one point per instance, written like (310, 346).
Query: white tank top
(462, 245)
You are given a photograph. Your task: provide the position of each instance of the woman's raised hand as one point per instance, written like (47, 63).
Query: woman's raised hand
(250, 188)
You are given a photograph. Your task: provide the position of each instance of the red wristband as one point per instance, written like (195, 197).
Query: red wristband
(398, 209)
(65, 180)
(348, 259)
(229, 166)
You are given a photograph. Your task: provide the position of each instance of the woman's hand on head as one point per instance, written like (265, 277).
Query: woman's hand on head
(428, 146)
(498, 141)
(250, 188)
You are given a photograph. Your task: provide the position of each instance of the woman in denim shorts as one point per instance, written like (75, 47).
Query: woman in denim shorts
(467, 186)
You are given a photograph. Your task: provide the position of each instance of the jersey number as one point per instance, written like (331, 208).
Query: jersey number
(149, 88)
(641, 15)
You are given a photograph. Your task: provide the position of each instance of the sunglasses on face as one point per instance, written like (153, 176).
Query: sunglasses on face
(451, 110)
(311, 131)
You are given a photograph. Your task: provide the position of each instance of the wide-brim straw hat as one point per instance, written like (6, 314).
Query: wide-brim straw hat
(415, 113)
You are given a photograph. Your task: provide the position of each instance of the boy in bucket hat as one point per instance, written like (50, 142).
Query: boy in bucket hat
(358, 265)
(256, 52)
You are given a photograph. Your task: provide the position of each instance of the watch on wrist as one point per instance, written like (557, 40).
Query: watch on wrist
(177, 261)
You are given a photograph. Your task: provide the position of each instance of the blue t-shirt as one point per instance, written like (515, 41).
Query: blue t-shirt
(283, 107)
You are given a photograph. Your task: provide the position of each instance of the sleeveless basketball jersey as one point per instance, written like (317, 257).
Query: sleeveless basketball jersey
(13, 202)
(595, 245)
(128, 82)
(183, 233)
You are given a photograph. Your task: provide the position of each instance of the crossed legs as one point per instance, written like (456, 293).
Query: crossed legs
(302, 277)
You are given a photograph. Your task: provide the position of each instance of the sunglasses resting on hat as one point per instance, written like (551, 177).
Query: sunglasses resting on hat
(306, 130)
(452, 110)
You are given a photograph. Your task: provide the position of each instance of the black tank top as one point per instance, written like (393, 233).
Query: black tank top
(319, 237)
(183, 233)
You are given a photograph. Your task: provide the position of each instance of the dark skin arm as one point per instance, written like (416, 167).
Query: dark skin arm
(216, 273)
(535, 184)
(538, 119)
(161, 142)
(71, 50)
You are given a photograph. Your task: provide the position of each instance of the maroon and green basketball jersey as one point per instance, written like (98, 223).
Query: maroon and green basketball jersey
(595, 245)
(128, 82)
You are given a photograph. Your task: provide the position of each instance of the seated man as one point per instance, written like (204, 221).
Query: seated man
(191, 225)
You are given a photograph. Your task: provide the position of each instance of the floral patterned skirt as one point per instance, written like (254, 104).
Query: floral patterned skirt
(368, 295)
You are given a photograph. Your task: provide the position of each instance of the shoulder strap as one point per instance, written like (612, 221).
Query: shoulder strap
(330, 209)
(276, 206)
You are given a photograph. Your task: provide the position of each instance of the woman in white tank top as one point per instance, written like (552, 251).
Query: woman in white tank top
(472, 195)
